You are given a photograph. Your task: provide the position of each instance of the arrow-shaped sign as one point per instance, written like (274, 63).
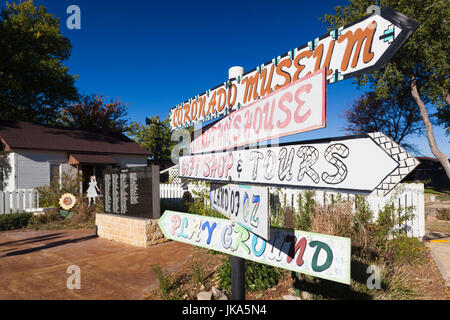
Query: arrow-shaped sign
(363, 46)
(357, 164)
(318, 255)
(247, 205)
(297, 107)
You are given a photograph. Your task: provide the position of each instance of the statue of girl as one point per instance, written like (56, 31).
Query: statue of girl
(92, 190)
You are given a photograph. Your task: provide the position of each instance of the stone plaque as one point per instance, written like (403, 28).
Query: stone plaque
(115, 192)
(132, 192)
(107, 200)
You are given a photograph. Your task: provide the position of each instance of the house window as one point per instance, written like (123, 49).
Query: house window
(54, 172)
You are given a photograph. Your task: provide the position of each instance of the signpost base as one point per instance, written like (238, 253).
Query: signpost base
(237, 278)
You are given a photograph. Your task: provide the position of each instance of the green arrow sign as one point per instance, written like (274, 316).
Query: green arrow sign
(314, 254)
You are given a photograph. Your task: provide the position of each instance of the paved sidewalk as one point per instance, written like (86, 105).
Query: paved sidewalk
(439, 244)
(33, 265)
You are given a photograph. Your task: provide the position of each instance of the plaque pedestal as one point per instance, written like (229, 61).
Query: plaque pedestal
(140, 232)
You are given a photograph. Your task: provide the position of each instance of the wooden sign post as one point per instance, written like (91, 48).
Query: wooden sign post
(285, 96)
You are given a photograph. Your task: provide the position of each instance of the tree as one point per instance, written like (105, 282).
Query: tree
(155, 136)
(34, 84)
(421, 65)
(92, 112)
(395, 116)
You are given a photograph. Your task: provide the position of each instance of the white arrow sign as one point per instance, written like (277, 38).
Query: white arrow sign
(318, 255)
(358, 164)
(298, 107)
(247, 205)
(363, 46)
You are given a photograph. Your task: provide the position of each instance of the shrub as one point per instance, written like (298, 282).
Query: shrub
(369, 238)
(49, 216)
(81, 216)
(14, 221)
(187, 200)
(388, 224)
(82, 212)
(198, 205)
(277, 211)
(198, 272)
(171, 204)
(257, 276)
(363, 228)
(49, 195)
(166, 283)
(335, 219)
(405, 250)
(306, 204)
(443, 214)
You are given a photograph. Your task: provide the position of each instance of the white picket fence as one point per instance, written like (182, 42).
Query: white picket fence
(18, 200)
(403, 196)
(173, 190)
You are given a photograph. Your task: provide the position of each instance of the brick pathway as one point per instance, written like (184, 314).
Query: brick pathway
(33, 265)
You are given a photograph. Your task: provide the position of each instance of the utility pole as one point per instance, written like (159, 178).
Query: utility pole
(158, 138)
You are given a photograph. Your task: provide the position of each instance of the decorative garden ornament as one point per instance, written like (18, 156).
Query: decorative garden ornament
(92, 190)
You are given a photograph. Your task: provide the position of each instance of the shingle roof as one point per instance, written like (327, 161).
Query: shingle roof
(25, 135)
(76, 158)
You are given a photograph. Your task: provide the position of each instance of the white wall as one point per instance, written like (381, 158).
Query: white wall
(33, 167)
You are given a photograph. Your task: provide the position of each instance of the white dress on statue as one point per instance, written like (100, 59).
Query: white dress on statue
(91, 192)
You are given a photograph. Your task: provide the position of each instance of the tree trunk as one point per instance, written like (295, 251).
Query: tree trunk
(429, 129)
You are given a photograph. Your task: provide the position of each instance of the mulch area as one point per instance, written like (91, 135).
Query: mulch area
(426, 278)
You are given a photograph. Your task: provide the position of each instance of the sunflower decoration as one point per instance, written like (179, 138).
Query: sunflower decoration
(67, 202)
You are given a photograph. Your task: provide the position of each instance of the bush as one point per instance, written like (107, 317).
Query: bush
(187, 200)
(49, 216)
(388, 224)
(82, 212)
(49, 195)
(306, 204)
(443, 214)
(257, 276)
(197, 206)
(198, 273)
(277, 211)
(171, 204)
(335, 219)
(81, 216)
(405, 250)
(14, 221)
(369, 238)
(166, 284)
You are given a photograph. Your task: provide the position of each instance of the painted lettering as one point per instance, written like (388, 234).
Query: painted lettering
(329, 259)
(358, 37)
(309, 156)
(243, 235)
(331, 152)
(210, 230)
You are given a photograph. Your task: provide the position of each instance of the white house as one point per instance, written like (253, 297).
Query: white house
(31, 155)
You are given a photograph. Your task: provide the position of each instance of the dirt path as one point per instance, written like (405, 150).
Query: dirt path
(33, 265)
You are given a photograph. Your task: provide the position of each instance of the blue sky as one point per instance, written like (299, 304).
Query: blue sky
(156, 54)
